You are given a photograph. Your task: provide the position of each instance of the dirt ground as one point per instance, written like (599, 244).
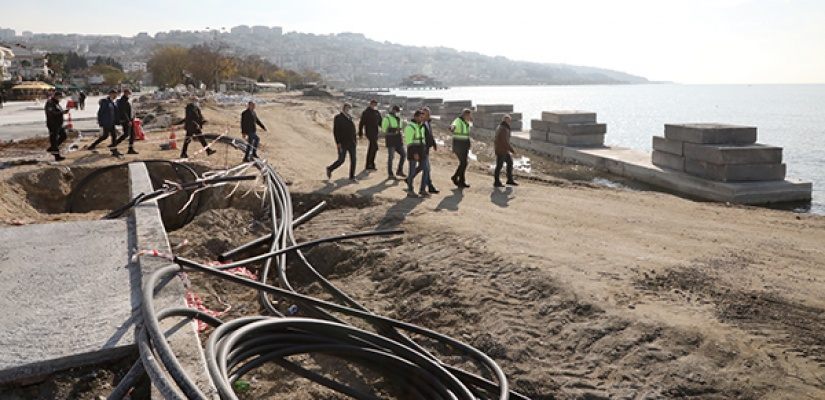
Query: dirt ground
(579, 290)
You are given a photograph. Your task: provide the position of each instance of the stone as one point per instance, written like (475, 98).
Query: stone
(734, 154)
(494, 108)
(569, 117)
(664, 145)
(709, 133)
(668, 160)
(735, 172)
(538, 135)
(576, 141)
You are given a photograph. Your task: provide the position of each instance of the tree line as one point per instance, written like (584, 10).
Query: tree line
(172, 65)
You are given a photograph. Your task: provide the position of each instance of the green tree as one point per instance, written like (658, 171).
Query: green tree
(167, 65)
(111, 75)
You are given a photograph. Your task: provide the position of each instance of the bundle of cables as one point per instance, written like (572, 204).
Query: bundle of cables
(237, 347)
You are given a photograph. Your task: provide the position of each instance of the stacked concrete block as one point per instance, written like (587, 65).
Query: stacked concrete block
(433, 104)
(488, 116)
(568, 128)
(413, 103)
(725, 153)
(453, 108)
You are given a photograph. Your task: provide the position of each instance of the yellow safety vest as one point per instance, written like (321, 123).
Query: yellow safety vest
(462, 129)
(413, 134)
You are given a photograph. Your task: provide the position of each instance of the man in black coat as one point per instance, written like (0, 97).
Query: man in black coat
(344, 130)
(249, 124)
(54, 121)
(125, 117)
(371, 120)
(193, 123)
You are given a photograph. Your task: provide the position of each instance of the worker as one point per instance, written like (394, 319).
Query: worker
(461, 146)
(429, 138)
(54, 122)
(415, 140)
(106, 119)
(125, 117)
(391, 126)
(344, 131)
(249, 124)
(370, 121)
(193, 124)
(503, 151)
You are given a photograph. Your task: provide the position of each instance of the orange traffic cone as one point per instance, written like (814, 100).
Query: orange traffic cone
(173, 142)
(69, 124)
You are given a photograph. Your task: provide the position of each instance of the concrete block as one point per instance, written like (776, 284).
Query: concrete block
(516, 126)
(547, 149)
(538, 135)
(577, 141)
(734, 154)
(711, 133)
(668, 160)
(574, 129)
(663, 145)
(569, 117)
(735, 172)
(459, 103)
(494, 108)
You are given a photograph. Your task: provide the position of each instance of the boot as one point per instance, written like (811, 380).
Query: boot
(209, 152)
(498, 184)
(512, 183)
(132, 151)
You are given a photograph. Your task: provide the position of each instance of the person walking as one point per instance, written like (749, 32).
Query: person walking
(344, 131)
(106, 119)
(81, 100)
(2, 98)
(461, 146)
(193, 123)
(414, 138)
(125, 117)
(503, 151)
(370, 121)
(54, 122)
(391, 126)
(249, 124)
(429, 138)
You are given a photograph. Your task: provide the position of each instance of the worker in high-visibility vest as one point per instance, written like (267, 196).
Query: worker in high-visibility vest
(414, 138)
(461, 146)
(391, 126)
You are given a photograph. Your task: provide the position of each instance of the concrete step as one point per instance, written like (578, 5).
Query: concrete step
(664, 145)
(735, 172)
(568, 129)
(732, 154)
(576, 141)
(667, 160)
(494, 108)
(710, 133)
(569, 117)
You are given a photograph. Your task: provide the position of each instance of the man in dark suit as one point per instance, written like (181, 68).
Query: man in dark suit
(193, 123)
(249, 124)
(370, 122)
(344, 130)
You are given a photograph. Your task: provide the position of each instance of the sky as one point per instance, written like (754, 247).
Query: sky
(685, 41)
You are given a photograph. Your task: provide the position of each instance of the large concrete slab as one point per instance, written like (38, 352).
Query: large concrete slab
(458, 103)
(735, 172)
(494, 108)
(711, 133)
(569, 129)
(68, 292)
(667, 160)
(569, 117)
(664, 145)
(577, 140)
(734, 154)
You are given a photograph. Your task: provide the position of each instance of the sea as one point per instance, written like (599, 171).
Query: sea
(789, 116)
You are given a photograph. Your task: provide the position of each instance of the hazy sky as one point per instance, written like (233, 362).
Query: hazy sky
(689, 41)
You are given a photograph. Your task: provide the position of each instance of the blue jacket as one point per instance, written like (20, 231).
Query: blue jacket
(107, 113)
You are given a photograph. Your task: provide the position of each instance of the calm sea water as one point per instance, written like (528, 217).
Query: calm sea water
(790, 116)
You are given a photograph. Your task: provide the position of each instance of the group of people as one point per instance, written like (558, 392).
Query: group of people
(413, 140)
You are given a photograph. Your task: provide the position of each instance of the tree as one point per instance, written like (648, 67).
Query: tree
(111, 75)
(99, 60)
(167, 65)
(210, 66)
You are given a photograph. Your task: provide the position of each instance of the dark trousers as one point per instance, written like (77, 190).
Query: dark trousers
(424, 163)
(57, 135)
(426, 166)
(461, 148)
(342, 155)
(372, 150)
(127, 132)
(188, 139)
(252, 142)
(391, 150)
(82, 104)
(108, 131)
(500, 160)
